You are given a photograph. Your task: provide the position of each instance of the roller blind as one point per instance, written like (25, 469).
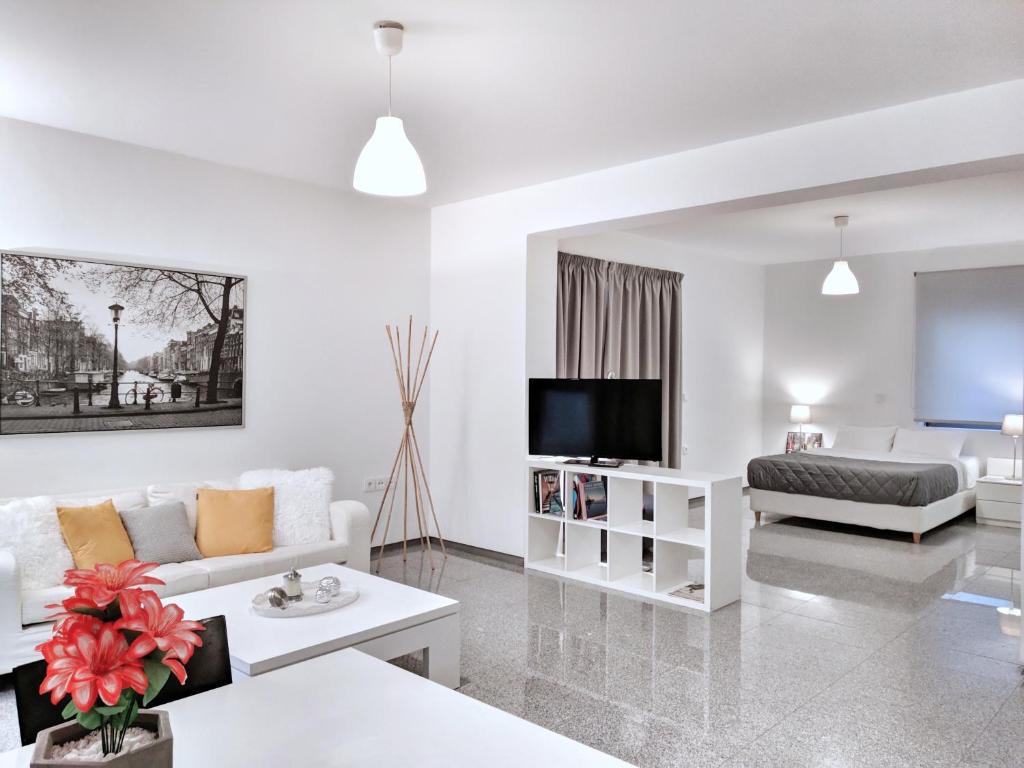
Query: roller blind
(969, 345)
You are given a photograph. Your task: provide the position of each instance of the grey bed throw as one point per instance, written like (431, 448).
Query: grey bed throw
(837, 477)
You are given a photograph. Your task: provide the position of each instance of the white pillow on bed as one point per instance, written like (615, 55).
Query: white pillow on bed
(865, 438)
(929, 442)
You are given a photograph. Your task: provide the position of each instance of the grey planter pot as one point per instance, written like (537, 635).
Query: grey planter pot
(157, 754)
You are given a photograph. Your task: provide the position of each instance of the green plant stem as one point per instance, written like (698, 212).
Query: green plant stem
(127, 715)
(105, 735)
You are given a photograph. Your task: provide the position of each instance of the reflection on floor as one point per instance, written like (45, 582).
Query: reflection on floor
(846, 650)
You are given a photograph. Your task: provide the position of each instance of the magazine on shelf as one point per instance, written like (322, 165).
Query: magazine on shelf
(589, 497)
(690, 591)
(547, 492)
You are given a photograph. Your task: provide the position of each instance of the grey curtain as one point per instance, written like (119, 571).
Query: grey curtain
(624, 321)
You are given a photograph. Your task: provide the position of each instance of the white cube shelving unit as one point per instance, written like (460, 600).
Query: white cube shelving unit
(683, 552)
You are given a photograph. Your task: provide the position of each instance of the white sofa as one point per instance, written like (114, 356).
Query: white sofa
(23, 614)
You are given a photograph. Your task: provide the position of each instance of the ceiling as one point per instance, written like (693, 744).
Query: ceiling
(970, 211)
(496, 94)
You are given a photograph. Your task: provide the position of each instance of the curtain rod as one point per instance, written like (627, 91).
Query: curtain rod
(966, 269)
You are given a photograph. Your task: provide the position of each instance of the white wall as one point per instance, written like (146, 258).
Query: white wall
(852, 357)
(479, 264)
(723, 324)
(326, 270)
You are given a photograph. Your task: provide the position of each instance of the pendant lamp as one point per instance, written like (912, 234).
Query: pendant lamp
(389, 164)
(840, 281)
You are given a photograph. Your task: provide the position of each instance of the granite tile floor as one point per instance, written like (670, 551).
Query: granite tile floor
(848, 648)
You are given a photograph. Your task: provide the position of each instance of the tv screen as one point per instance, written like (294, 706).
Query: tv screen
(597, 418)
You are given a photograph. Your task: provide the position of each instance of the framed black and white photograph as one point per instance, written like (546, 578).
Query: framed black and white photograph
(90, 346)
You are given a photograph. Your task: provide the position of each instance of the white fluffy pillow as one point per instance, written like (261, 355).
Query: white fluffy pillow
(929, 442)
(302, 502)
(865, 438)
(30, 529)
(126, 500)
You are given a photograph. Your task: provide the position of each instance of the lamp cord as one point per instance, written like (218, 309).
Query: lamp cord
(389, 86)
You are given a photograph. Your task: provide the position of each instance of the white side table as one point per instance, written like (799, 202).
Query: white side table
(999, 501)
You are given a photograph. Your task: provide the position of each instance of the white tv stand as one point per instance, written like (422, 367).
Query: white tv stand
(682, 552)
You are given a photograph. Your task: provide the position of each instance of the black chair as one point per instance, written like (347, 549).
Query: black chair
(209, 668)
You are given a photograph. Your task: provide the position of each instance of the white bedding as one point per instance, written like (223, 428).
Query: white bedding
(967, 467)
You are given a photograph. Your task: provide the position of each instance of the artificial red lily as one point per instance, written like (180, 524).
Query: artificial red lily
(103, 584)
(161, 627)
(87, 665)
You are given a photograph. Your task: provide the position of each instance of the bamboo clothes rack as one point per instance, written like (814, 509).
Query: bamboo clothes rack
(407, 471)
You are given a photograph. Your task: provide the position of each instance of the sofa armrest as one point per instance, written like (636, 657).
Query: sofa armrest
(10, 596)
(350, 522)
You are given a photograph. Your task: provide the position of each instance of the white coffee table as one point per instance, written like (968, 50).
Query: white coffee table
(388, 620)
(347, 709)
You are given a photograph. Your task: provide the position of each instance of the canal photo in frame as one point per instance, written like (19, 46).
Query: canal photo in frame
(88, 345)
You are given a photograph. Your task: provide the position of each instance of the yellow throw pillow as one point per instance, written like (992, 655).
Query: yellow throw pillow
(95, 534)
(234, 522)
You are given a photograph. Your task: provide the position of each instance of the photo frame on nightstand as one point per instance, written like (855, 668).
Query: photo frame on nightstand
(801, 441)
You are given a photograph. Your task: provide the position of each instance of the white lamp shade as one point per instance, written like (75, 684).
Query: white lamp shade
(1013, 424)
(840, 281)
(800, 414)
(389, 164)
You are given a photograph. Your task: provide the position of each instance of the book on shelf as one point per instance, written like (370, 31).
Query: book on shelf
(589, 497)
(547, 492)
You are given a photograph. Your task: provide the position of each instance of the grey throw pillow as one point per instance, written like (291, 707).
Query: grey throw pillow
(161, 534)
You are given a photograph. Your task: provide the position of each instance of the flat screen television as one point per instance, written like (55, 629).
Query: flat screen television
(596, 418)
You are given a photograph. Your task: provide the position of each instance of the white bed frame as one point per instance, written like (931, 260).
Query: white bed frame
(887, 517)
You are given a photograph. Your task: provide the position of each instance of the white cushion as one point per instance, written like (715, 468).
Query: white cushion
(229, 569)
(121, 499)
(30, 529)
(185, 493)
(864, 438)
(179, 577)
(929, 442)
(34, 602)
(302, 502)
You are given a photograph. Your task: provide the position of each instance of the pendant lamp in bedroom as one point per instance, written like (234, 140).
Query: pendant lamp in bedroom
(840, 281)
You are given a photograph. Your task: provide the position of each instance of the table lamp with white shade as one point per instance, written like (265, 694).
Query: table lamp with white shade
(1013, 425)
(800, 415)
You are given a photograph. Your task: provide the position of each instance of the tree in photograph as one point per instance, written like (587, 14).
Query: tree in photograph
(30, 279)
(168, 298)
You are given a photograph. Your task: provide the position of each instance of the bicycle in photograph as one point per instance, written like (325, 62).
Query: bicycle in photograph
(22, 397)
(153, 394)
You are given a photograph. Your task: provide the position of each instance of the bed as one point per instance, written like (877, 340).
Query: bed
(885, 478)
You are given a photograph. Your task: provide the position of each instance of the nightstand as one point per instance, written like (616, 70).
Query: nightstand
(999, 501)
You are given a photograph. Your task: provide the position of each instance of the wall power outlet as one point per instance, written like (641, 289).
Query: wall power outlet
(374, 484)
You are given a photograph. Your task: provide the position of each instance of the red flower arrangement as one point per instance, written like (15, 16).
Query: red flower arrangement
(114, 642)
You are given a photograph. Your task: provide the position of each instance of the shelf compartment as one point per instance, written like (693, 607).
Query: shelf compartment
(676, 563)
(583, 551)
(641, 581)
(692, 536)
(599, 504)
(545, 541)
(593, 572)
(671, 507)
(636, 528)
(554, 564)
(625, 502)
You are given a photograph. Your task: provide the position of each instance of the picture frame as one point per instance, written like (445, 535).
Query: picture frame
(801, 441)
(174, 339)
